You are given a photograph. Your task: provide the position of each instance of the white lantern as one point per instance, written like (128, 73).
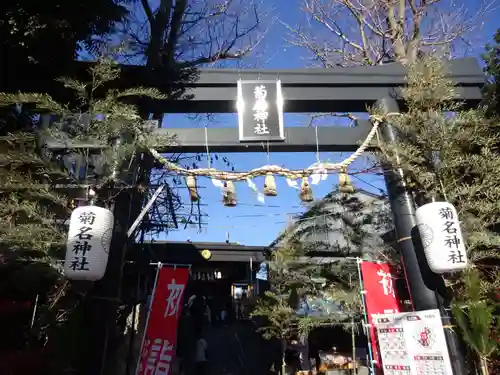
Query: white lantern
(89, 239)
(441, 236)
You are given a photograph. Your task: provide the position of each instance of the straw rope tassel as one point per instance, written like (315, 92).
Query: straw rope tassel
(229, 194)
(345, 185)
(270, 186)
(275, 170)
(192, 187)
(306, 191)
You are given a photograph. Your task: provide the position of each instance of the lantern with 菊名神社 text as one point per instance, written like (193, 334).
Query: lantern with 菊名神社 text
(87, 247)
(441, 237)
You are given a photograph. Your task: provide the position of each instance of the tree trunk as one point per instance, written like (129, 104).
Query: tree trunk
(283, 361)
(483, 366)
(353, 342)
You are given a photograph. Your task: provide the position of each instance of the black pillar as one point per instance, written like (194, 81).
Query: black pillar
(102, 303)
(426, 288)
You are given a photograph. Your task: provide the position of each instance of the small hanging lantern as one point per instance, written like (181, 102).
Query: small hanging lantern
(345, 185)
(89, 239)
(206, 254)
(270, 186)
(192, 187)
(441, 236)
(306, 191)
(229, 194)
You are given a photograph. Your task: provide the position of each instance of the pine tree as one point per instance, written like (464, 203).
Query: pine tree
(451, 152)
(344, 225)
(29, 171)
(476, 319)
(28, 230)
(295, 279)
(31, 179)
(492, 88)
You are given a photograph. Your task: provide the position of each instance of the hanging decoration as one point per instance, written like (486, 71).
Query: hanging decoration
(206, 254)
(275, 170)
(260, 196)
(306, 194)
(441, 237)
(292, 183)
(345, 185)
(270, 186)
(89, 239)
(192, 187)
(229, 194)
(320, 173)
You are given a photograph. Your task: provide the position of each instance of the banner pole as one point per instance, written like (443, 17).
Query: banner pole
(251, 276)
(159, 264)
(365, 315)
(171, 264)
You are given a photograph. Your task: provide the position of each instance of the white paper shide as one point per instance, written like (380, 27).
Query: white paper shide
(89, 239)
(441, 236)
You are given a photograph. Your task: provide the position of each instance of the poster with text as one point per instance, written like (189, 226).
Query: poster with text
(160, 337)
(379, 297)
(413, 344)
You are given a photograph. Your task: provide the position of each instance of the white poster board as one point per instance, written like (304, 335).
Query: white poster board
(413, 344)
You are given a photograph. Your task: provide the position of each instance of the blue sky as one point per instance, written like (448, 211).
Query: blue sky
(250, 222)
(253, 223)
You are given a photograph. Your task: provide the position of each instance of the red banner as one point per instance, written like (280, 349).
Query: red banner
(380, 297)
(160, 338)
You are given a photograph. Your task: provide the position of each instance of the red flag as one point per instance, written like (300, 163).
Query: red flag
(380, 297)
(160, 338)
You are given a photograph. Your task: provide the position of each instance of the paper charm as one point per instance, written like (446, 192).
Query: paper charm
(292, 183)
(320, 173)
(217, 183)
(260, 196)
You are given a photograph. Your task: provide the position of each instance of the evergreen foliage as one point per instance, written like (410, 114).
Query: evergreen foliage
(475, 316)
(450, 152)
(301, 269)
(343, 224)
(294, 279)
(42, 39)
(32, 178)
(29, 200)
(492, 88)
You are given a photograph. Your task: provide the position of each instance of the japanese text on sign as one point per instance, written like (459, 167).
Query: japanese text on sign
(175, 292)
(452, 241)
(81, 247)
(386, 282)
(260, 110)
(159, 357)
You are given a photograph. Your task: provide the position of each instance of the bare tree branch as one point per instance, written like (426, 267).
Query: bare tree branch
(189, 33)
(372, 32)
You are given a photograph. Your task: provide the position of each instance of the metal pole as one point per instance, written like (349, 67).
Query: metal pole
(423, 284)
(33, 316)
(251, 276)
(365, 316)
(159, 265)
(144, 211)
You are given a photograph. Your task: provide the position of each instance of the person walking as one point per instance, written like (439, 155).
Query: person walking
(201, 357)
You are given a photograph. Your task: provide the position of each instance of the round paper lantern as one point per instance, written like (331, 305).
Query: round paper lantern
(206, 254)
(441, 236)
(89, 238)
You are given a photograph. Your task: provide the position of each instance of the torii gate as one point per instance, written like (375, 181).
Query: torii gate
(304, 90)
